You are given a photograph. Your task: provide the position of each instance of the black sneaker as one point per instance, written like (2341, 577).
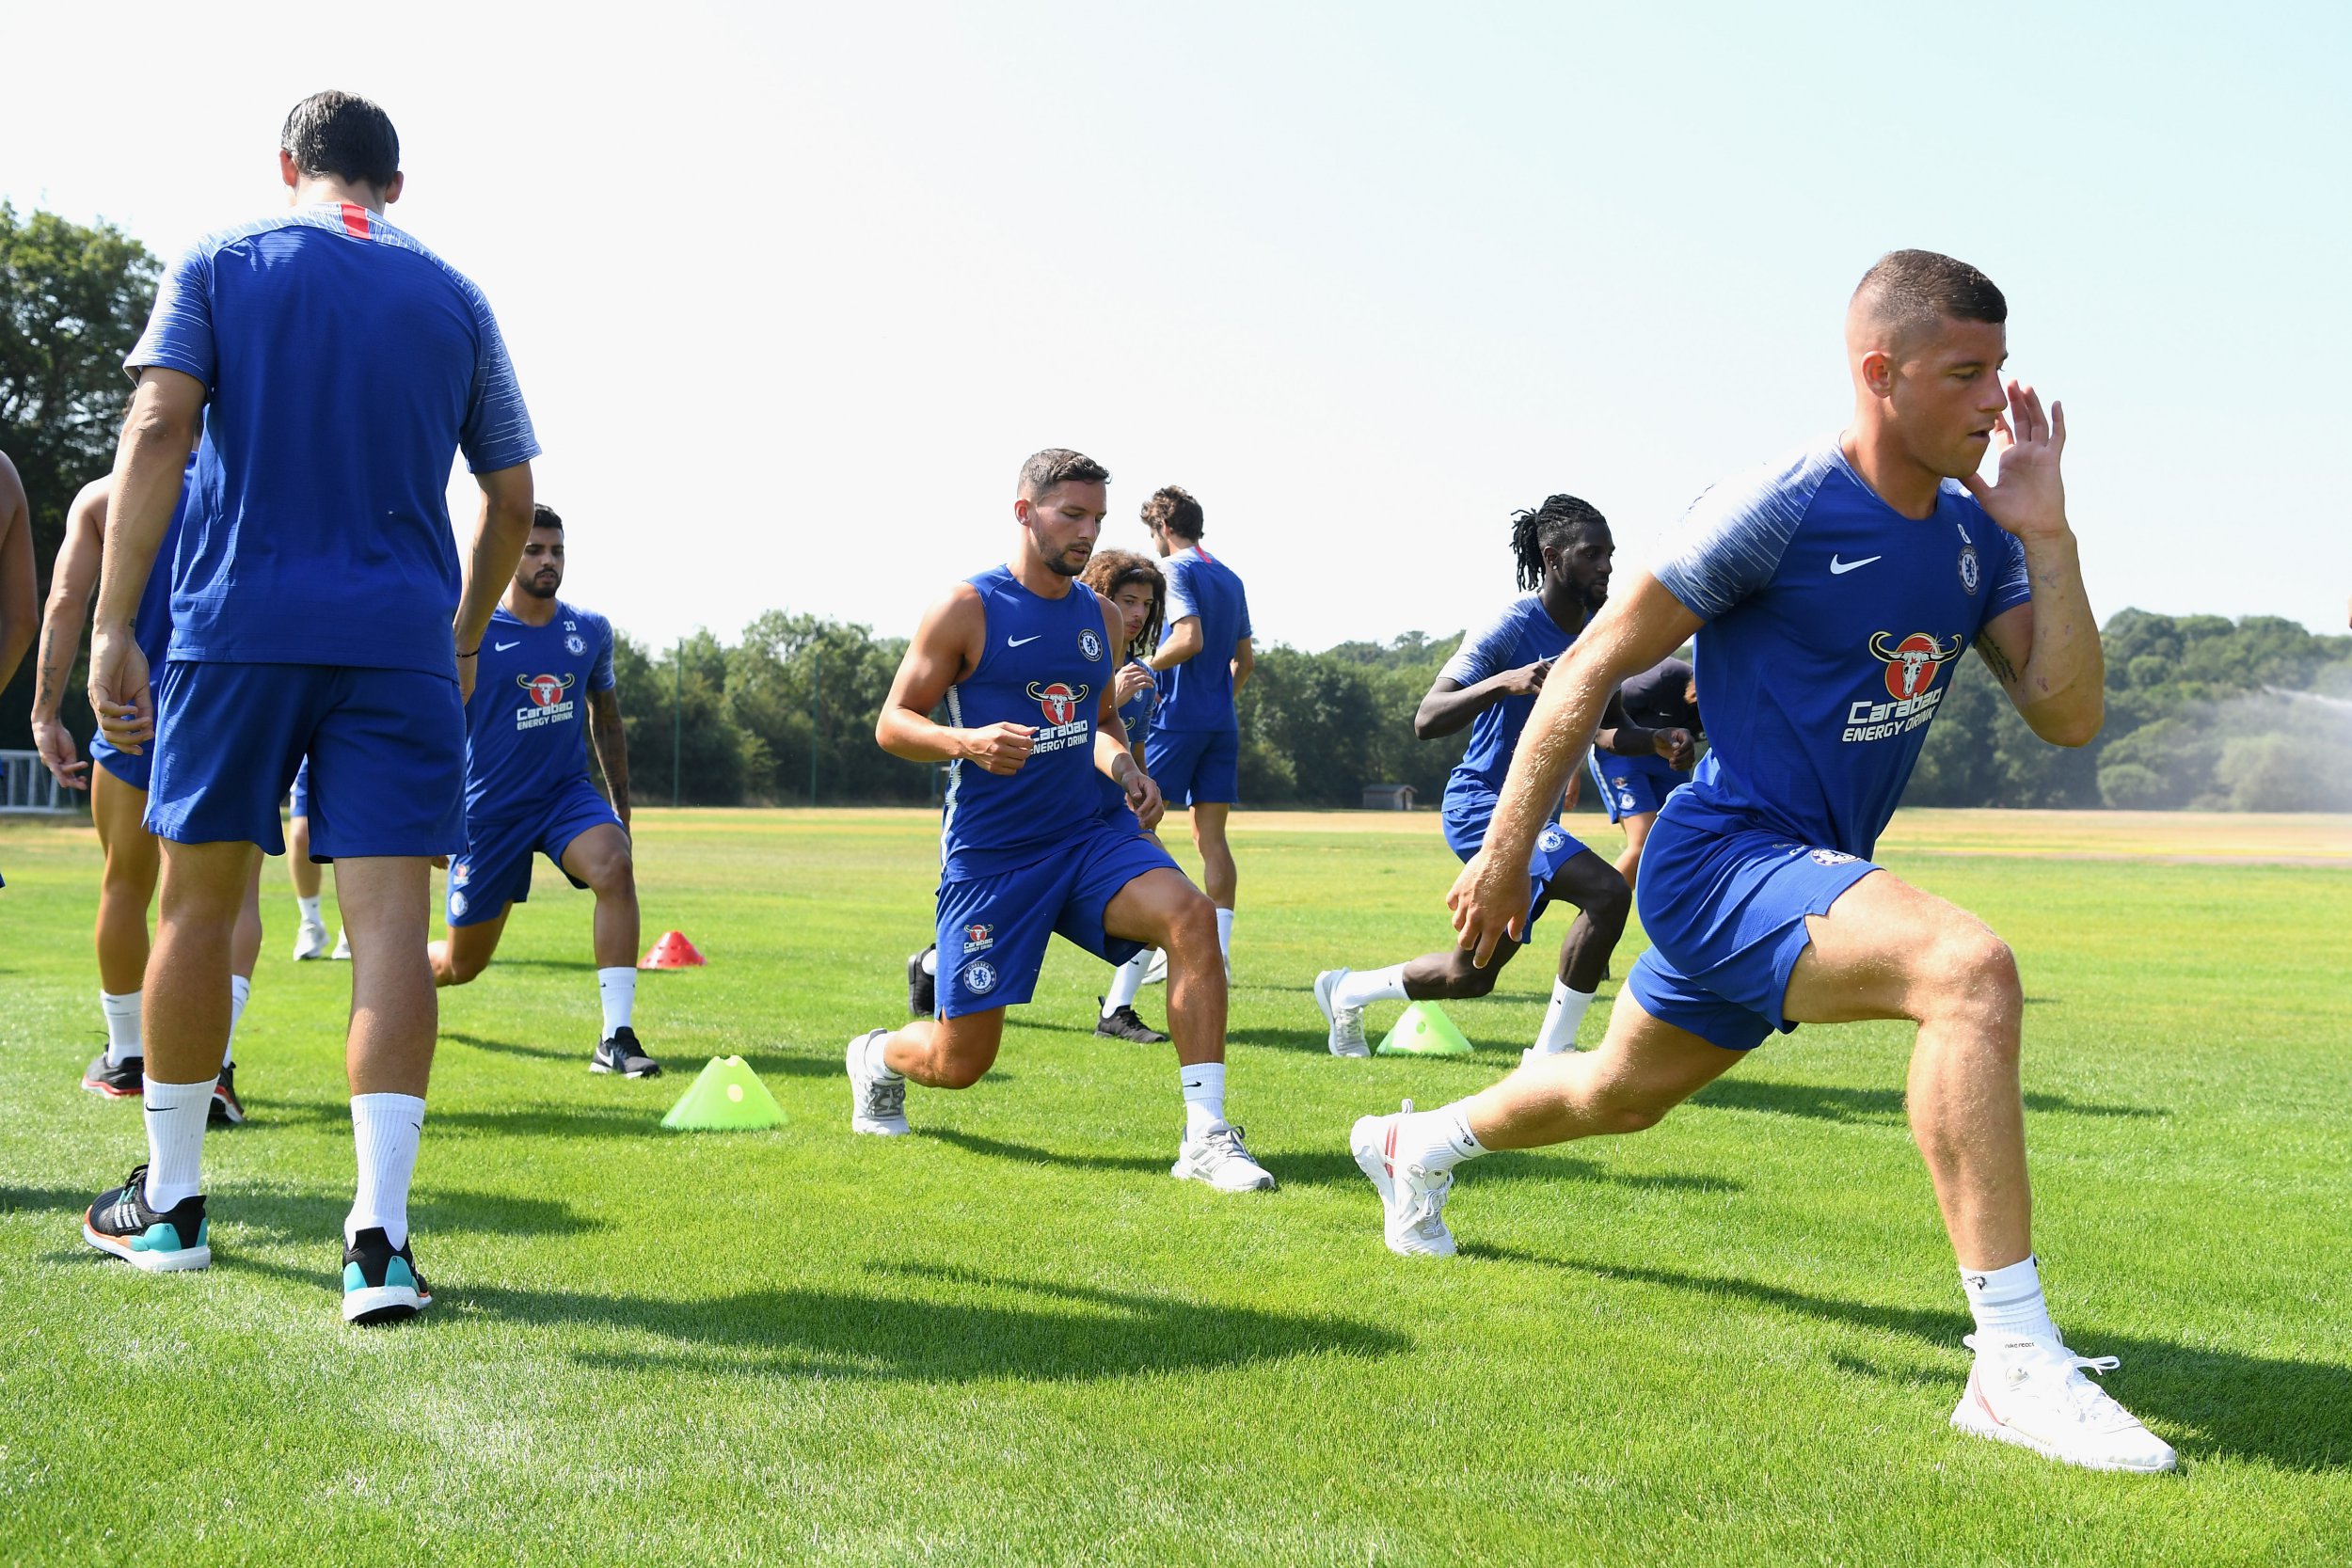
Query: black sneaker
(227, 1109)
(624, 1055)
(123, 1224)
(381, 1284)
(122, 1081)
(1124, 1023)
(922, 985)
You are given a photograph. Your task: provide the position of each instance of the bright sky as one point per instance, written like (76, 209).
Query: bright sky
(792, 291)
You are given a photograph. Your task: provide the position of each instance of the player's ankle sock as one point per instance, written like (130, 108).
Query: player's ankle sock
(240, 993)
(176, 1113)
(1437, 1140)
(387, 1129)
(310, 907)
(1363, 987)
(1204, 1096)
(122, 1027)
(2009, 1301)
(1561, 1018)
(1126, 983)
(1225, 934)
(617, 988)
(877, 1058)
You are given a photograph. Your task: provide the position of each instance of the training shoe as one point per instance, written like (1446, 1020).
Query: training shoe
(311, 940)
(1347, 1023)
(227, 1110)
(922, 984)
(123, 1224)
(2032, 1392)
(1412, 1200)
(624, 1055)
(1530, 1055)
(1125, 1023)
(878, 1097)
(124, 1080)
(343, 945)
(381, 1284)
(1219, 1158)
(1156, 973)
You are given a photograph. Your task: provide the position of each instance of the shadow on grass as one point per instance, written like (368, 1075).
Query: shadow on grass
(319, 1216)
(2213, 1404)
(1824, 1104)
(584, 1121)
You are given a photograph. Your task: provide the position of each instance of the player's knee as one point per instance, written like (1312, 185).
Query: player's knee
(1466, 981)
(1609, 900)
(1972, 969)
(1193, 925)
(1632, 1115)
(463, 967)
(960, 1069)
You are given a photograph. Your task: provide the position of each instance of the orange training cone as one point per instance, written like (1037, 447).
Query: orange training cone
(672, 952)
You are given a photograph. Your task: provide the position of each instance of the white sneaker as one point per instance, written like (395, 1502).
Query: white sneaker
(2032, 1392)
(1156, 973)
(878, 1098)
(343, 945)
(310, 940)
(1219, 1158)
(1532, 1055)
(1412, 1200)
(1347, 1023)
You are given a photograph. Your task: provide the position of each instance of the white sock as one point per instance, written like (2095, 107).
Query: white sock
(176, 1113)
(877, 1061)
(1437, 1140)
(930, 963)
(1225, 934)
(1363, 987)
(310, 907)
(240, 993)
(1561, 1018)
(2008, 1302)
(387, 1129)
(122, 1027)
(1204, 1096)
(1126, 982)
(617, 988)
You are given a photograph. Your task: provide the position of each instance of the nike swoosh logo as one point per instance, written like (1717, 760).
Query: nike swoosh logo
(1839, 568)
(1017, 642)
(502, 647)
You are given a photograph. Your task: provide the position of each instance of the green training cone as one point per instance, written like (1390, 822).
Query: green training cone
(1423, 1030)
(728, 1097)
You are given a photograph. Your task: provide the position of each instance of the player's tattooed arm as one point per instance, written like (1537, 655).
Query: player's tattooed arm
(611, 742)
(1989, 649)
(19, 603)
(71, 578)
(2050, 662)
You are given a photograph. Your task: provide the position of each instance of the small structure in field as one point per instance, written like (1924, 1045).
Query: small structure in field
(1388, 797)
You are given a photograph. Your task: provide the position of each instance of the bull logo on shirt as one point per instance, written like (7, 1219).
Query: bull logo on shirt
(546, 691)
(1058, 702)
(1912, 663)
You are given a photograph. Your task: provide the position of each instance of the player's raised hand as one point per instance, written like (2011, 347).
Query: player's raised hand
(1143, 799)
(1135, 678)
(1526, 680)
(1000, 748)
(118, 690)
(55, 744)
(2027, 496)
(1680, 752)
(1489, 902)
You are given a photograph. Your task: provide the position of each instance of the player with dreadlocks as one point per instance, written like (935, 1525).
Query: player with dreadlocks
(1563, 550)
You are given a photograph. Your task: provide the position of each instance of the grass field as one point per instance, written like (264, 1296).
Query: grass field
(1013, 1339)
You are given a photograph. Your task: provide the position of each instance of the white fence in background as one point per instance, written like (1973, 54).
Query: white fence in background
(26, 786)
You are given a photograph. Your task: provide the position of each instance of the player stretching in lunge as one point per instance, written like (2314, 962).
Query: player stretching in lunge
(1633, 783)
(1132, 584)
(1829, 594)
(1026, 850)
(527, 789)
(1563, 551)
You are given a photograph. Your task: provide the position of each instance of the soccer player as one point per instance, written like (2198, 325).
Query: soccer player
(117, 791)
(1194, 747)
(1025, 849)
(527, 789)
(1828, 592)
(333, 366)
(310, 933)
(1565, 553)
(19, 590)
(1662, 699)
(1132, 584)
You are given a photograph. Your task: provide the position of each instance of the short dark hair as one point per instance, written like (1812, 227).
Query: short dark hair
(544, 515)
(1173, 508)
(1059, 466)
(1560, 519)
(1911, 289)
(343, 135)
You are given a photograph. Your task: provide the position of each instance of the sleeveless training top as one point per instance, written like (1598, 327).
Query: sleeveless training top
(1044, 663)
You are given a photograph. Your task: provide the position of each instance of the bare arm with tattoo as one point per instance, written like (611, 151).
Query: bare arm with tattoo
(71, 580)
(611, 742)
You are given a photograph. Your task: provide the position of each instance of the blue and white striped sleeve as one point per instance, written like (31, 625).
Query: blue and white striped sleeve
(178, 335)
(1180, 602)
(1729, 544)
(2011, 585)
(600, 678)
(1485, 652)
(497, 433)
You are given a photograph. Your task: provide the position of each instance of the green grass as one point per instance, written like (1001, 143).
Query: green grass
(1013, 1339)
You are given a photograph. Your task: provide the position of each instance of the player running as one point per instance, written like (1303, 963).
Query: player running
(1633, 783)
(1132, 584)
(333, 366)
(1026, 849)
(309, 931)
(527, 789)
(1829, 594)
(117, 791)
(1565, 552)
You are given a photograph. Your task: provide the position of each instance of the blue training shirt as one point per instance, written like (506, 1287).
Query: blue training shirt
(345, 366)
(1197, 694)
(1044, 663)
(526, 728)
(1831, 622)
(1523, 634)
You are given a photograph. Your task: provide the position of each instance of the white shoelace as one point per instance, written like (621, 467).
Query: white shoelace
(2076, 1397)
(1425, 1213)
(1348, 1026)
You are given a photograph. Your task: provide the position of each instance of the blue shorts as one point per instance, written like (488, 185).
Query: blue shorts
(301, 790)
(137, 772)
(1195, 767)
(386, 750)
(993, 929)
(1466, 815)
(1725, 914)
(495, 870)
(1632, 785)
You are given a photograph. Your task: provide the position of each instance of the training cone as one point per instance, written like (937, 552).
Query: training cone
(672, 952)
(1423, 1030)
(727, 1096)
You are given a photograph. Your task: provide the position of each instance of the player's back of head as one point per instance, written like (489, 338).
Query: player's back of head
(1172, 506)
(1909, 292)
(344, 135)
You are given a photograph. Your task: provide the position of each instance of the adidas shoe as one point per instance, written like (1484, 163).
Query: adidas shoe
(1347, 1023)
(1125, 1023)
(310, 940)
(878, 1097)
(123, 1224)
(1412, 1200)
(227, 1110)
(2032, 1392)
(923, 983)
(624, 1055)
(1219, 1158)
(123, 1080)
(381, 1284)
(343, 945)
